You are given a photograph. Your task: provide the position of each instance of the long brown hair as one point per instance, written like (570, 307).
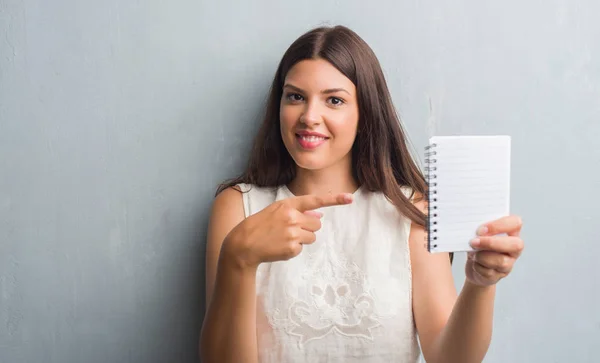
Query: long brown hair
(380, 158)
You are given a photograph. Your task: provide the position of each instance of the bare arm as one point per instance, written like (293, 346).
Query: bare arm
(229, 329)
(235, 248)
(451, 329)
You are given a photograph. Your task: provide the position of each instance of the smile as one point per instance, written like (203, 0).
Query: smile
(312, 138)
(310, 142)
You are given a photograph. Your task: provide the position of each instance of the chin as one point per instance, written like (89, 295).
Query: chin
(310, 164)
(314, 161)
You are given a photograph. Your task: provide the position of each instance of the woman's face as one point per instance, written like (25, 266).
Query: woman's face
(318, 114)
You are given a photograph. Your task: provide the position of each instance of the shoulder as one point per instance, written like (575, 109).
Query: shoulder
(234, 195)
(415, 197)
(420, 201)
(253, 189)
(228, 205)
(233, 192)
(255, 198)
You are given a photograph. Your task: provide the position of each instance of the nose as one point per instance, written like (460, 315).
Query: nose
(311, 115)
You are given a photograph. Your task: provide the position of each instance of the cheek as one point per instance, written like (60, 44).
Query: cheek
(286, 118)
(346, 138)
(344, 131)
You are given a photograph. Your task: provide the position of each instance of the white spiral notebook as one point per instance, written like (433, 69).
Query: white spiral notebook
(469, 184)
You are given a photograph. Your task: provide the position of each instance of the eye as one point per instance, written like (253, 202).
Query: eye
(293, 97)
(336, 101)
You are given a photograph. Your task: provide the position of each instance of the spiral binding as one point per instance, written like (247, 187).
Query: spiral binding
(432, 197)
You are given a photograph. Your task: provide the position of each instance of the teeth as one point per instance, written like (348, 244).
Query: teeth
(312, 138)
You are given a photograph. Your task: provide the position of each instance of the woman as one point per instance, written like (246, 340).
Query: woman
(316, 252)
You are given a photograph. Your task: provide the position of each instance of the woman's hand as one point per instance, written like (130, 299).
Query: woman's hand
(497, 248)
(278, 232)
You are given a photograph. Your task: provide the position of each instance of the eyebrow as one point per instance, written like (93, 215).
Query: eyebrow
(326, 91)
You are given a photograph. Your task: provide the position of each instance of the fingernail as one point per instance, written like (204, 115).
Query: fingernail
(348, 198)
(482, 230)
(475, 242)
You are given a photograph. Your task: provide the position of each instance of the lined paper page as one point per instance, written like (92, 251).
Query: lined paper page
(473, 187)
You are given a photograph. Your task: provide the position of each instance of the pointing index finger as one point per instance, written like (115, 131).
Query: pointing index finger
(310, 202)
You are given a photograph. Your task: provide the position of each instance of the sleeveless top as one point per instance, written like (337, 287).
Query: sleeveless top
(345, 298)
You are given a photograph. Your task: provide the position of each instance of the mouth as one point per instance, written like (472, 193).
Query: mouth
(310, 142)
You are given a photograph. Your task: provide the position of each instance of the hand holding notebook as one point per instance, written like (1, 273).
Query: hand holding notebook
(469, 194)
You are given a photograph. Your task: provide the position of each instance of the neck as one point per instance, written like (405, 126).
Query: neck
(332, 180)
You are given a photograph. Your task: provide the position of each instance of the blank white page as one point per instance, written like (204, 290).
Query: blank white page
(469, 185)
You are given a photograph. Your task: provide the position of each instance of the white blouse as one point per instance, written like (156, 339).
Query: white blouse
(347, 297)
